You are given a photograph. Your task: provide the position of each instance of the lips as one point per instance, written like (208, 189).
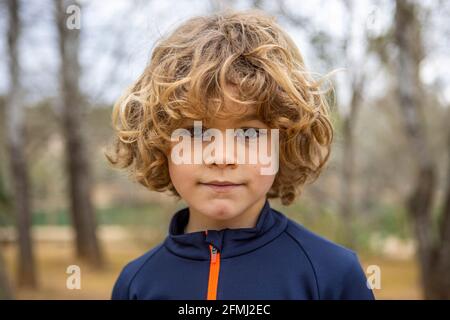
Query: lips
(222, 183)
(222, 186)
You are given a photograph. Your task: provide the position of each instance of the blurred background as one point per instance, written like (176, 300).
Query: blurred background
(385, 192)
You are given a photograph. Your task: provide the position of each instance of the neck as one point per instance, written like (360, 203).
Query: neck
(246, 219)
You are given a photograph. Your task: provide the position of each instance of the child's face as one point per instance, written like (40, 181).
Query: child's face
(194, 181)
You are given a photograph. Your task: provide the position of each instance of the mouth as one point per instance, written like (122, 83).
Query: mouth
(222, 186)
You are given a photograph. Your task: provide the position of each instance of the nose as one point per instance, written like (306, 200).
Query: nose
(220, 158)
(214, 163)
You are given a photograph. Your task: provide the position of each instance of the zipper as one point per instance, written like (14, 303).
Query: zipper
(214, 268)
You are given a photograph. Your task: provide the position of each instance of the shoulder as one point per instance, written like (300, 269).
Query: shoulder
(337, 269)
(129, 272)
(317, 247)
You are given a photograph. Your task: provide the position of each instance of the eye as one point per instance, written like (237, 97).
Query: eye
(197, 133)
(249, 133)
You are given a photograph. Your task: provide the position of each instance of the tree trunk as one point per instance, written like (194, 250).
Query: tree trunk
(348, 168)
(347, 204)
(15, 140)
(442, 290)
(82, 211)
(432, 251)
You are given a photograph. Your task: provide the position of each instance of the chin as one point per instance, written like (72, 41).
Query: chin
(221, 209)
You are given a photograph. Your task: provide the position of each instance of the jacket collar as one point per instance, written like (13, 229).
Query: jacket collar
(229, 242)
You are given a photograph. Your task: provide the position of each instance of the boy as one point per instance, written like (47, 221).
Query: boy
(236, 71)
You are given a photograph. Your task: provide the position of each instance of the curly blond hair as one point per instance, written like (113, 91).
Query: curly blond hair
(187, 77)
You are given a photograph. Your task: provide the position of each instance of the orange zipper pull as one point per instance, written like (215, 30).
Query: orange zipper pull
(213, 254)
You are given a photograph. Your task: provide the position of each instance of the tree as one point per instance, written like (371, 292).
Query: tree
(81, 207)
(15, 132)
(433, 249)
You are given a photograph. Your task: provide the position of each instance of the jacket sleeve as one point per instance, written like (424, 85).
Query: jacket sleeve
(121, 290)
(355, 285)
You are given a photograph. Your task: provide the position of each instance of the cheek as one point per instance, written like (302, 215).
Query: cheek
(182, 176)
(260, 183)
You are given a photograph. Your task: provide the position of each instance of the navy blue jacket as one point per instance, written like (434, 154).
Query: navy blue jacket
(277, 259)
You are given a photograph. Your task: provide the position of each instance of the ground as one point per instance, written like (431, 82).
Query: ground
(399, 277)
